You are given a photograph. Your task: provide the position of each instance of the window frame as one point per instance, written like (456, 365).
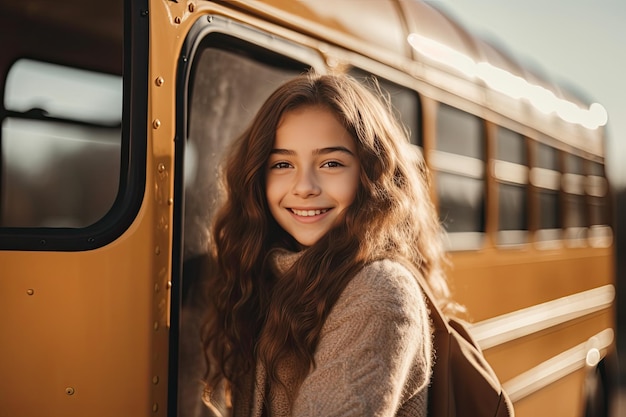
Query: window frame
(133, 155)
(545, 179)
(471, 167)
(508, 173)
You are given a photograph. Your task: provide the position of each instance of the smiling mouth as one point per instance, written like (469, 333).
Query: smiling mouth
(308, 213)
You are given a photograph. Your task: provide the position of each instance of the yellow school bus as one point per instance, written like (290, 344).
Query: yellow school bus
(115, 116)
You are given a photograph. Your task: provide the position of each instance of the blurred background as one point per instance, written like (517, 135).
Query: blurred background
(579, 44)
(576, 43)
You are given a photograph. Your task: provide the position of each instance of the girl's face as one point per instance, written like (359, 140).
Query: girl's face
(312, 173)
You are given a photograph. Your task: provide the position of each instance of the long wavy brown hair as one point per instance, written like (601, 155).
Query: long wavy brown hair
(255, 317)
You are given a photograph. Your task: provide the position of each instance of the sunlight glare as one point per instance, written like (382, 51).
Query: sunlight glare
(503, 81)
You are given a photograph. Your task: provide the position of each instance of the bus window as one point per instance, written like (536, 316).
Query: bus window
(597, 190)
(227, 87)
(511, 173)
(60, 152)
(229, 79)
(546, 177)
(459, 159)
(573, 183)
(405, 102)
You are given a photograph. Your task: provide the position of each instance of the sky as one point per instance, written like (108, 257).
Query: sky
(576, 42)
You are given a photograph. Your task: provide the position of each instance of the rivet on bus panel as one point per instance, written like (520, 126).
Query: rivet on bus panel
(30, 291)
(169, 284)
(157, 287)
(161, 167)
(156, 325)
(170, 201)
(156, 123)
(159, 81)
(155, 380)
(157, 250)
(155, 407)
(69, 391)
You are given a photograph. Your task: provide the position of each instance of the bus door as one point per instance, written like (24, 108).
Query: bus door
(227, 68)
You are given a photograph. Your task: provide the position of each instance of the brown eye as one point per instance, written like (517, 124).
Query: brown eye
(332, 164)
(280, 165)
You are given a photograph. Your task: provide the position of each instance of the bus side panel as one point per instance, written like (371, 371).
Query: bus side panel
(81, 326)
(519, 278)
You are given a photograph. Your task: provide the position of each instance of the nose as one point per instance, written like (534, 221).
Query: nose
(306, 184)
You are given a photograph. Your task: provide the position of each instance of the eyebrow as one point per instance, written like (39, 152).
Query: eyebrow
(321, 151)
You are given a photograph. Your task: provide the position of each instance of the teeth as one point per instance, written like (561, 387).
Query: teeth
(307, 213)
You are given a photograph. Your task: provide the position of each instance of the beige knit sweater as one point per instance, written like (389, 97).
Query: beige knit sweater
(374, 357)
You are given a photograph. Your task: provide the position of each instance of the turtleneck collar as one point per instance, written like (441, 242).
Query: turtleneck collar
(282, 259)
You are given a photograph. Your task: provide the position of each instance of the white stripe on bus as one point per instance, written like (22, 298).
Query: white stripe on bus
(498, 330)
(546, 373)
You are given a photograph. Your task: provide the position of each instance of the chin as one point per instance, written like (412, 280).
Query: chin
(307, 242)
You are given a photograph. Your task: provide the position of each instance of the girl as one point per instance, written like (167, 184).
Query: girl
(315, 308)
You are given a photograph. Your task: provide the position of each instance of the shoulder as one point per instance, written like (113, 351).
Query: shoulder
(387, 276)
(384, 285)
